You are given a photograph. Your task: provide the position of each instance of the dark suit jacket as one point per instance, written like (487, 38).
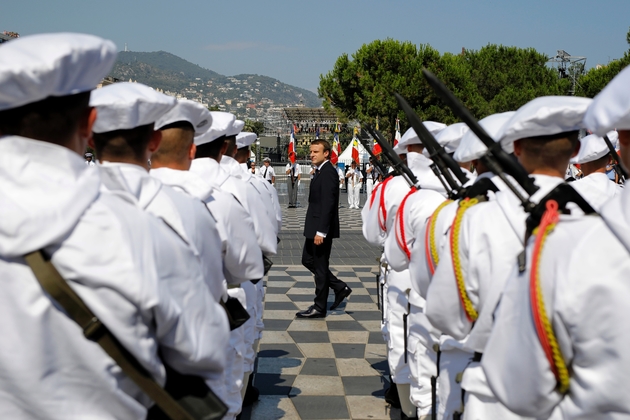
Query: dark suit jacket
(323, 204)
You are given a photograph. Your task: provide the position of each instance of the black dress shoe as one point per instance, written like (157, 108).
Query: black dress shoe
(345, 292)
(311, 312)
(251, 393)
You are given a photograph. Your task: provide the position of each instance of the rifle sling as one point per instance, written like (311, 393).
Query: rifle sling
(52, 282)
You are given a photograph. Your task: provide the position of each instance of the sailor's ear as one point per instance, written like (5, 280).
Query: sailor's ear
(154, 142)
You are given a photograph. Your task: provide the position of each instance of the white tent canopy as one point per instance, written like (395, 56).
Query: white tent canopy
(346, 155)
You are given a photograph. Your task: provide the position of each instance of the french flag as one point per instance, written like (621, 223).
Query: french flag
(292, 145)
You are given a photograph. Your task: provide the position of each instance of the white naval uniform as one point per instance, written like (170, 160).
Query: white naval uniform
(255, 292)
(353, 180)
(241, 262)
(596, 189)
(210, 170)
(272, 191)
(491, 238)
(369, 182)
(183, 214)
(584, 268)
(109, 251)
(421, 335)
(232, 167)
(398, 283)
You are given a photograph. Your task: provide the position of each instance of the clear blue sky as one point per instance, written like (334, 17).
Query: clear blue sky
(296, 41)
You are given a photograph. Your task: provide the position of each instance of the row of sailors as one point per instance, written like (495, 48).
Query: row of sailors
(152, 253)
(500, 336)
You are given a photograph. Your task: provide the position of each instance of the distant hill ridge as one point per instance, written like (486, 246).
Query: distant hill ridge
(167, 71)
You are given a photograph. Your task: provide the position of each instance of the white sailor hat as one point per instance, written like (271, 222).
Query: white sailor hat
(592, 148)
(123, 106)
(400, 149)
(410, 137)
(236, 128)
(613, 136)
(471, 148)
(88, 154)
(190, 111)
(221, 123)
(611, 107)
(451, 136)
(545, 116)
(244, 139)
(35, 67)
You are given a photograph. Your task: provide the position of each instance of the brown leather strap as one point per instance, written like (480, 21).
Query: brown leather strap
(55, 285)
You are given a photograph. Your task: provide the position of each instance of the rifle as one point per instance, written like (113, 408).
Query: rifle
(496, 159)
(375, 160)
(400, 168)
(615, 157)
(442, 161)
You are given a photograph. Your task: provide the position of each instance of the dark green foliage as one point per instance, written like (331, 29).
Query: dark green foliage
(492, 79)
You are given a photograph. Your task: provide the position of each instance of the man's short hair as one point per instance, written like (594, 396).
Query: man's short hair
(175, 145)
(231, 149)
(546, 151)
(124, 143)
(53, 119)
(325, 143)
(210, 150)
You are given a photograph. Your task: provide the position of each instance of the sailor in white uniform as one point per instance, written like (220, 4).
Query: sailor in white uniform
(595, 186)
(243, 142)
(487, 238)
(124, 138)
(378, 216)
(354, 177)
(102, 244)
(210, 149)
(240, 252)
(578, 367)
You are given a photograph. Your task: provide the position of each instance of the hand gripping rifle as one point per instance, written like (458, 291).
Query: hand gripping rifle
(397, 164)
(615, 157)
(444, 166)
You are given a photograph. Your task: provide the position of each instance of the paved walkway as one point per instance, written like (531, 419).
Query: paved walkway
(332, 368)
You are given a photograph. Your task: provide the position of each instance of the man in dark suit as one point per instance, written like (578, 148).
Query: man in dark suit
(321, 226)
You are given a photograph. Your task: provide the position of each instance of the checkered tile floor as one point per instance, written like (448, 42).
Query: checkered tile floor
(332, 368)
(349, 219)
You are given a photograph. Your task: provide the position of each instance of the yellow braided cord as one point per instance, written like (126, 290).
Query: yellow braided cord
(433, 222)
(563, 372)
(471, 312)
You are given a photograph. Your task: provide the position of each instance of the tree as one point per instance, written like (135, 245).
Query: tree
(362, 87)
(493, 79)
(252, 126)
(591, 83)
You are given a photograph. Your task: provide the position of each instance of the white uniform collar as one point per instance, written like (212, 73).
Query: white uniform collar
(45, 190)
(616, 215)
(132, 178)
(210, 171)
(186, 180)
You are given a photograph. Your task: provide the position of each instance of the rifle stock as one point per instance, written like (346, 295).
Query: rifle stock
(621, 171)
(499, 161)
(445, 163)
(397, 163)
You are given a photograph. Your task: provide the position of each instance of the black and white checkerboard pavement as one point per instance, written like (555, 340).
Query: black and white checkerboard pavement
(332, 368)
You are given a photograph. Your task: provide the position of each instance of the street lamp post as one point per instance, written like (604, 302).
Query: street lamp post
(257, 151)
